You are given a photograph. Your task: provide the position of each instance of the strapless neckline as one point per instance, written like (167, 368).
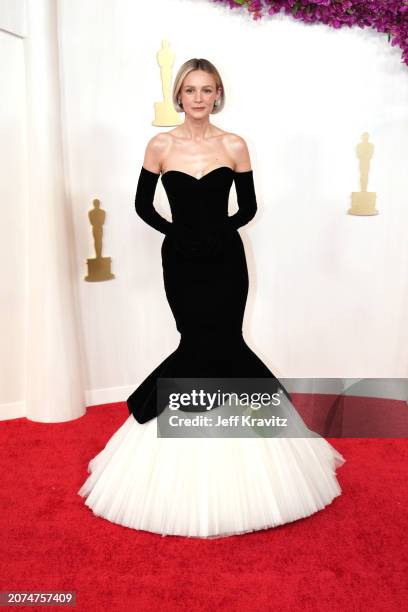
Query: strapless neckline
(193, 177)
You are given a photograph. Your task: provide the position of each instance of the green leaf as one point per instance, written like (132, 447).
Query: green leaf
(296, 7)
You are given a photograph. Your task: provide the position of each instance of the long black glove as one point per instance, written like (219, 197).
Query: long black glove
(246, 199)
(145, 191)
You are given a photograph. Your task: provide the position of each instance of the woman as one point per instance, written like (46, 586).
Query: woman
(203, 485)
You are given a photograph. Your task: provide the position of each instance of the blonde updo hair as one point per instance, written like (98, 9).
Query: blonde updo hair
(198, 64)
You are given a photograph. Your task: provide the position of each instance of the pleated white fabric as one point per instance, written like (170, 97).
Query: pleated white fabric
(209, 487)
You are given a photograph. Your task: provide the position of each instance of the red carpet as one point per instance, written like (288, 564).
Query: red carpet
(353, 555)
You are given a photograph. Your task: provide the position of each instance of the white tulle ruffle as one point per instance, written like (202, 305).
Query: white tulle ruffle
(208, 487)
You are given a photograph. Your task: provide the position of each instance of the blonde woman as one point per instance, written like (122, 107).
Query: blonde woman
(206, 485)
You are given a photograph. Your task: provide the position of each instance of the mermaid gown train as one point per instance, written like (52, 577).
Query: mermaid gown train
(206, 486)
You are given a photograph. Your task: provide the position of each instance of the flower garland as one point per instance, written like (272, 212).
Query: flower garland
(389, 16)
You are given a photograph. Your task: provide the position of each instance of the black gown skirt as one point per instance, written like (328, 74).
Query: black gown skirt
(208, 486)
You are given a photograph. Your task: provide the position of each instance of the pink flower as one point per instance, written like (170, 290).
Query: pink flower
(390, 16)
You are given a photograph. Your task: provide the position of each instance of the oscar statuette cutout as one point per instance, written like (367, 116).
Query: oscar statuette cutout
(363, 202)
(99, 268)
(165, 113)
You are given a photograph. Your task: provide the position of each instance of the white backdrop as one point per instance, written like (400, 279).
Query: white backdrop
(328, 291)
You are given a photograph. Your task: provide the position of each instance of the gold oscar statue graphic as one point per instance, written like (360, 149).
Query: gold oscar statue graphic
(164, 112)
(363, 202)
(99, 268)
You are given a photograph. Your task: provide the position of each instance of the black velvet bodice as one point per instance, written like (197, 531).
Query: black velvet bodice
(199, 202)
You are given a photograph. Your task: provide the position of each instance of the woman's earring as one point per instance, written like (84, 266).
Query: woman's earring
(179, 102)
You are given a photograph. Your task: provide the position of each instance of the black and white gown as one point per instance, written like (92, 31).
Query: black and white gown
(206, 486)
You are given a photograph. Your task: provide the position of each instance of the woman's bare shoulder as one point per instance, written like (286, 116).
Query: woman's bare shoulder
(159, 141)
(238, 150)
(234, 140)
(156, 150)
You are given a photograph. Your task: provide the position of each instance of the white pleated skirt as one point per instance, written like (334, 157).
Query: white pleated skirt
(209, 487)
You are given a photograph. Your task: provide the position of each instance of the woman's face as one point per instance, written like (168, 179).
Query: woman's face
(198, 93)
